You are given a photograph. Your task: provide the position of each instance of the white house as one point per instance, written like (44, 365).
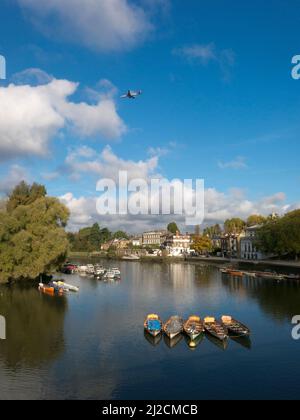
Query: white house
(179, 245)
(248, 248)
(137, 241)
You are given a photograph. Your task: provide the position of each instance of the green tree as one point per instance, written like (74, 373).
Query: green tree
(89, 239)
(95, 237)
(106, 235)
(25, 194)
(213, 231)
(281, 236)
(33, 240)
(234, 225)
(120, 235)
(255, 219)
(173, 228)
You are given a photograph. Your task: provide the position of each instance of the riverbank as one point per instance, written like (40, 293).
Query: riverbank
(280, 264)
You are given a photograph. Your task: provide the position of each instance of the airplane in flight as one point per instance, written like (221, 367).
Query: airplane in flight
(131, 94)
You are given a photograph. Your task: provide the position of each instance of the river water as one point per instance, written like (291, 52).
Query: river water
(91, 345)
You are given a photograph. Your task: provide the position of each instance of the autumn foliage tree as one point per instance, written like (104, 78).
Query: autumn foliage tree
(202, 244)
(33, 240)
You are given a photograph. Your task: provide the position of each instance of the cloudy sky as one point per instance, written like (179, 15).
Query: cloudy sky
(218, 100)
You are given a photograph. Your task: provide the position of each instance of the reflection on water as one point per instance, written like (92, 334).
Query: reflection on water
(154, 341)
(221, 344)
(276, 298)
(243, 341)
(91, 345)
(35, 324)
(171, 343)
(193, 344)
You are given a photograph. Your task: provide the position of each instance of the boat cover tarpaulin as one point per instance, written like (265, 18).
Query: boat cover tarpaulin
(174, 326)
(154, 325)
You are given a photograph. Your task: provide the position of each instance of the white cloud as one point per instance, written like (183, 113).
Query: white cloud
(32, 115)
(102, 25)
(238, 163)
(208, 53)
(32, 77)
(107, 164)
(199, 52)
(15, 175)
(219, 206)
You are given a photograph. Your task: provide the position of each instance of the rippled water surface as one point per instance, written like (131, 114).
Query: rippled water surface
(92, 345)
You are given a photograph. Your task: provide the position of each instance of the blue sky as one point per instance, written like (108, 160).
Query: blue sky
(218, 101)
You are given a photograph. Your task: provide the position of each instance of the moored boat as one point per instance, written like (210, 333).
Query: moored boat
(49, 290)
(250, 274)
(236, 273)
(215, 328)
(269, 275)
(193, 327)
(292, 277)
(235, 327)
(109, 275)
(153, 325)
(116, 271)
(173, 327)
(225, 270)
(66, 286)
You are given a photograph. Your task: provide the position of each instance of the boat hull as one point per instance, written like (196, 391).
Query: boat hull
(173, 327)
(216, 330)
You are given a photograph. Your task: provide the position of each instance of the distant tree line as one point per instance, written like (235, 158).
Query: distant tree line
(90, 239)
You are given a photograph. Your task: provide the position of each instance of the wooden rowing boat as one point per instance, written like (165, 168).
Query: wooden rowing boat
(270, 275)
(224, 270)
(153, 325)
(235, 327)
(193, 327)
(236, 273)
(173, 327)
(250, 274)
(215, 328)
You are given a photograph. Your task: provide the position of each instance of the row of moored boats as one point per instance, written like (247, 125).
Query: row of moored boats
(97, 271)
(259, 274)
(194, 327)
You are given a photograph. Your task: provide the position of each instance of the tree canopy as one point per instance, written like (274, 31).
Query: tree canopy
(90, 239)
(202, 244)
(234, 225)
(173, 228)
(25, 194)
(32, 235)
(255, 219)
(281, 236)
(120, 235)
(213, 231)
